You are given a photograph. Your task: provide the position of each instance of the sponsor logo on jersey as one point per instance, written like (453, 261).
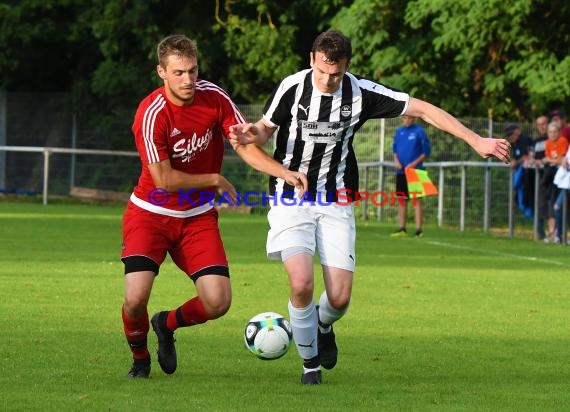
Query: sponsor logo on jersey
(187, 149)
(346, 110)
(321, 132)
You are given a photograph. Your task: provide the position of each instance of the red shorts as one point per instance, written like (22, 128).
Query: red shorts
(194, 243)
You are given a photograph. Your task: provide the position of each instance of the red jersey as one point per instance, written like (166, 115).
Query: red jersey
(191, 136)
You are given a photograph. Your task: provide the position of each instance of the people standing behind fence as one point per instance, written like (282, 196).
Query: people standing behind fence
(560, 117)
(535, 163)
(562, 182)
(556, 148)
(541, 124)
(411, 147)
(521, 146)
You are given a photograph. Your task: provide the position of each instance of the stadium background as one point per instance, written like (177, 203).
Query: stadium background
(49, 120)
(71, 74)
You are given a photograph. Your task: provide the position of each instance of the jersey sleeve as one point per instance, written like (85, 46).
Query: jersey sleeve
(381, 101)
(150, 130)
(230, 113)
(277, 110)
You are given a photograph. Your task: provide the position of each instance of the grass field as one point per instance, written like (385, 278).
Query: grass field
(450, 322)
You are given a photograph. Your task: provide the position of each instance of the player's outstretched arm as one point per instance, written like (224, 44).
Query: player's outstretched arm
(248, 133)
(254, 156)
(485, 147)
(172, 180)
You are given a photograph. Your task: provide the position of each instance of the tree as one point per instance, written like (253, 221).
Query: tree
(103, 52)
(41, 45)
(266, 40)
(466, 55)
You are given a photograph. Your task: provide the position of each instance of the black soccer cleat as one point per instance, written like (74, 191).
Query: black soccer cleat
(328, 352)
(327, 349)
(166, 349)
(312, 378)
(140, 368)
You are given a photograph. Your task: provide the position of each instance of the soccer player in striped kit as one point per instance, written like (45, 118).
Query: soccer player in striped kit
(179, 132)
(317, 111)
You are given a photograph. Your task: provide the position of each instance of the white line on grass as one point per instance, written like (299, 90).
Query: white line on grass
(494, 252)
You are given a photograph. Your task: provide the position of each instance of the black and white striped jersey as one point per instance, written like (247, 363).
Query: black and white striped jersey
(316, 129)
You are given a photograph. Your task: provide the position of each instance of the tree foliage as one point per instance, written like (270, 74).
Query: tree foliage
(266, 40)
(253, 44)
(466, 56)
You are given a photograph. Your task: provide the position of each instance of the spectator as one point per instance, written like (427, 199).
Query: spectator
(521, 145)
(556, 148)
(560, 117)
(536, 166)
(562, 181)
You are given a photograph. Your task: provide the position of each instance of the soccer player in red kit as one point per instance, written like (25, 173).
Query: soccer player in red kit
(179, 131)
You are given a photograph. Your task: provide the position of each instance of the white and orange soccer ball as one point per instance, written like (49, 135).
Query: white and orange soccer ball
(268, 335)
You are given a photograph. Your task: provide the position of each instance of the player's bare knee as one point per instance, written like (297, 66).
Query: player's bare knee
(216, 305)
(302, 286)
(135, 307)
(340, 299)
(339, 302)
(218, 308)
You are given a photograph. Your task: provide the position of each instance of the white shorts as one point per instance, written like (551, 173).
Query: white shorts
(330, 229)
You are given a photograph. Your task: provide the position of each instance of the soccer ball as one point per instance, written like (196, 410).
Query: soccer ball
(268, 335)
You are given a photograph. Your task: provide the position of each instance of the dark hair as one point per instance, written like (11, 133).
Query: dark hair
(334, 45)
(178, 45)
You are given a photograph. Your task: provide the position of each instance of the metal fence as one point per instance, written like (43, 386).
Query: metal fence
(472, 194)
(51, 152)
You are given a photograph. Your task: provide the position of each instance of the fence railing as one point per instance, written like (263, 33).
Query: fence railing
(471, 193)
(441, 183)
(47, 153)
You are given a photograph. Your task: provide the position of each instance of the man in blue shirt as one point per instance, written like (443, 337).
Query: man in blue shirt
(411, 147)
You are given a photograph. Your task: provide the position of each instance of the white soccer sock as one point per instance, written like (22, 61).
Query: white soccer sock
(327, 314)
(304, 326)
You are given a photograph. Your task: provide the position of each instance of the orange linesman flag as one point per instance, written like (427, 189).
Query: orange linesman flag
(419, 183)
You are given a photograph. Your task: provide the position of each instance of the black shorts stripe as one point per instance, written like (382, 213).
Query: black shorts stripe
(140, 264)
(211, 270)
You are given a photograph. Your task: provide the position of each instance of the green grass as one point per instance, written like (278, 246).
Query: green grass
(453, 321)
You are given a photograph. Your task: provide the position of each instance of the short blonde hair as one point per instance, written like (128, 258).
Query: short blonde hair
(177, 45)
